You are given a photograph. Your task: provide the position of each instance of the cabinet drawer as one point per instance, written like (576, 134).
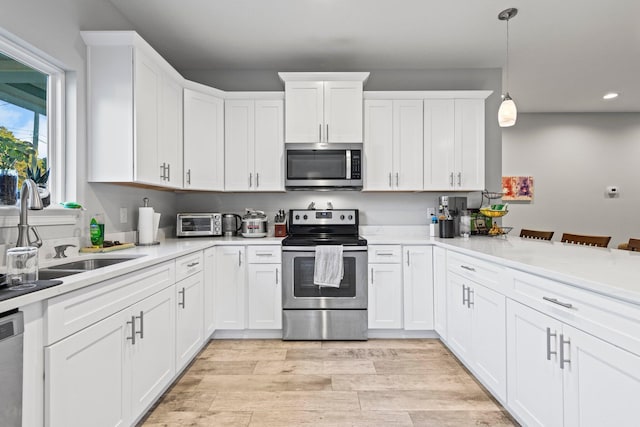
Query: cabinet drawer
(71, 312)
(475, 269)
(188, 265)
(609, 319)
(385, 254)
(264, 254)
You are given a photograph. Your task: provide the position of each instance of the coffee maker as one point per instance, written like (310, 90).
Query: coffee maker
(451, 207)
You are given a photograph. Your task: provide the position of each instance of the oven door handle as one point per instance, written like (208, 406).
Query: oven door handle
(312, 249)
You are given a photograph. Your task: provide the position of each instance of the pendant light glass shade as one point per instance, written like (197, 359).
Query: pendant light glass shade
(508, 113)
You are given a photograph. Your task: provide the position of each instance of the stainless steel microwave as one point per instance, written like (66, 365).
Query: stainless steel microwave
(323, 166)
(198, 224)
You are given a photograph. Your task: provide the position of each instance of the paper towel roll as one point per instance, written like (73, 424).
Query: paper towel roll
(156, 224)
(145, 226)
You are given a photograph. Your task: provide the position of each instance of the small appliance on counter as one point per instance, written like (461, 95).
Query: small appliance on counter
(254, 224)
(198, 224)
(231, 224)
(451, 208)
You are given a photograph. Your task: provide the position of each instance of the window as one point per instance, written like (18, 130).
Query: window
(31, 116)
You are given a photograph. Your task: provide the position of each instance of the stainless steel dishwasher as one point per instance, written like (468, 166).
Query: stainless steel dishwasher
(11, 330)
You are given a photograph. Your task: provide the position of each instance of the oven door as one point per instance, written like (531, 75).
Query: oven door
(299, 292)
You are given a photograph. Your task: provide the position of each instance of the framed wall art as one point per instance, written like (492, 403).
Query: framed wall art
(517, 188)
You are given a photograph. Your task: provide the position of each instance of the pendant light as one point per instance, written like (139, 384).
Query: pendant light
(508, 113)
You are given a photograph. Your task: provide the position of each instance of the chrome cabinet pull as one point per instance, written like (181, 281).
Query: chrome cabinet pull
(555, 301)
(250, 179)
(193, 264)
(257, 180)
(276, 275)
(549, 335)
(469, 300)
(451, 179)
(372, 275)
(320, 132)
(466, 267)
(169, 172)
(264, 254)
(564, 361)
(239, 258)
(181, 303)
(459, 179)
(465, 295)
(141, 331)
(384, 253)
(407, 258)
(390, 182)
(162, 177)
(397, 179)
(327, 134)
(188, 176)
(132, 338)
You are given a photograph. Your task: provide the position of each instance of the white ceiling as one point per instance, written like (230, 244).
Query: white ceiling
(564, 54)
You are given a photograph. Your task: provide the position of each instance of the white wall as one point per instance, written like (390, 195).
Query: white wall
(573, 158)
(53, 27)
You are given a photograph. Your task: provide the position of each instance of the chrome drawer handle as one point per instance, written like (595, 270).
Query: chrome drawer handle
(563, 361)
(466, 267)
(465, 295)
(141, 331)
(181, 303)
(384, 253)
(264, 254)
(469, 300)
(549, 335)
(132, 338)
(193, 264)
(555, 301)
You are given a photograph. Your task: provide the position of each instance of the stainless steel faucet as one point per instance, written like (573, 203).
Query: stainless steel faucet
(29, 198)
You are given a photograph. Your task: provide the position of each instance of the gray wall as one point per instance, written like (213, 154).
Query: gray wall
(573, 158)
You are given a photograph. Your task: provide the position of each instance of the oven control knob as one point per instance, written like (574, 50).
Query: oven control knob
(305, 217)
(342, 217)
(350, 217)
(297, 216)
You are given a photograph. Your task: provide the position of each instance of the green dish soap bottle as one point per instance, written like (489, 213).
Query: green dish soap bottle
(96, 230)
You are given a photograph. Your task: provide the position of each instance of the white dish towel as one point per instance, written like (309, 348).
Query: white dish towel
(329, 268)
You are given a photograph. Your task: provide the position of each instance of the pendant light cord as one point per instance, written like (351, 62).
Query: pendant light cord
(507, 85)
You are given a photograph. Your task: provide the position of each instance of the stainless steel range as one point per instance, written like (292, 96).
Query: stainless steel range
(312, 312)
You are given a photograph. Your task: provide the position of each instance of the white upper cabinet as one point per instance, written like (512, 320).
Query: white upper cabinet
(254, 145)
(134, 112)
(393, 145)
(323, 107)
(454, 144)
(203, 140)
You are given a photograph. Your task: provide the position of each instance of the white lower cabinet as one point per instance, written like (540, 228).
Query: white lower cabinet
(559, 375)
(230, 281)
(265, 296)
(440, 292)
(107, 373)
(476, 330)
(189, 315)
(209, 272)
(385, 296)
(417, 267)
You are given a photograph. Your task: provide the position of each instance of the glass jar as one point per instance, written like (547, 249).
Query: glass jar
(465, 224)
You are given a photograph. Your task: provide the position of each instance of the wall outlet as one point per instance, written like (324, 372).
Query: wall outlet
(431, 212)
(613, 190)
(123, 216)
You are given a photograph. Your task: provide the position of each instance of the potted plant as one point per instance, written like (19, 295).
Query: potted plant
(40, 175)
(13, 153)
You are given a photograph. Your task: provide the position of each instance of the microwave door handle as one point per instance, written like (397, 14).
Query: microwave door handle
(348, 159)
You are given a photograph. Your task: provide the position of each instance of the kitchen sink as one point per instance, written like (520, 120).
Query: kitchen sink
(47, 274)
(89, 264)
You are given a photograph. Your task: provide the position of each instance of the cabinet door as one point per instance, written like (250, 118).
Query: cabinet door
(458, 316)
(342, 112)
(208, 292)
(203, 141)
(170, 137)
(469, 144)
(601, 382)
(378, 144)
(230, 287)
(534, 383)
(488, 332)
(147, 84)
(439, 139)
(152, 356)
(269, 146)
(418, 287)
(239, 119)
(87, 377)
(265, 296)
(407, 145)
(440, 292)
(189, 315)
(304, 111)
(385, 296)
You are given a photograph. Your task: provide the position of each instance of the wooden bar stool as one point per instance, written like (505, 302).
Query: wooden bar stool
(632, 245)
(535, 234)
(580, 239)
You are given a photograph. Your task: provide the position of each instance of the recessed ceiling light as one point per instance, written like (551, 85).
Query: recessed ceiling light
(610, 95)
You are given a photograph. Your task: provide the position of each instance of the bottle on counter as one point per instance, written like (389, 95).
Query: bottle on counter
(96, 230)
(432, 226)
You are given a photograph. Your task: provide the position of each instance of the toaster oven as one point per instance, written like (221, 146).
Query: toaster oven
(198, 224)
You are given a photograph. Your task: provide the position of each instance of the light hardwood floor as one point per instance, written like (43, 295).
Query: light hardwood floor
(371, 383)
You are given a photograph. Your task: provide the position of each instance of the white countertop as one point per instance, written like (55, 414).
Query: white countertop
(142, 256)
